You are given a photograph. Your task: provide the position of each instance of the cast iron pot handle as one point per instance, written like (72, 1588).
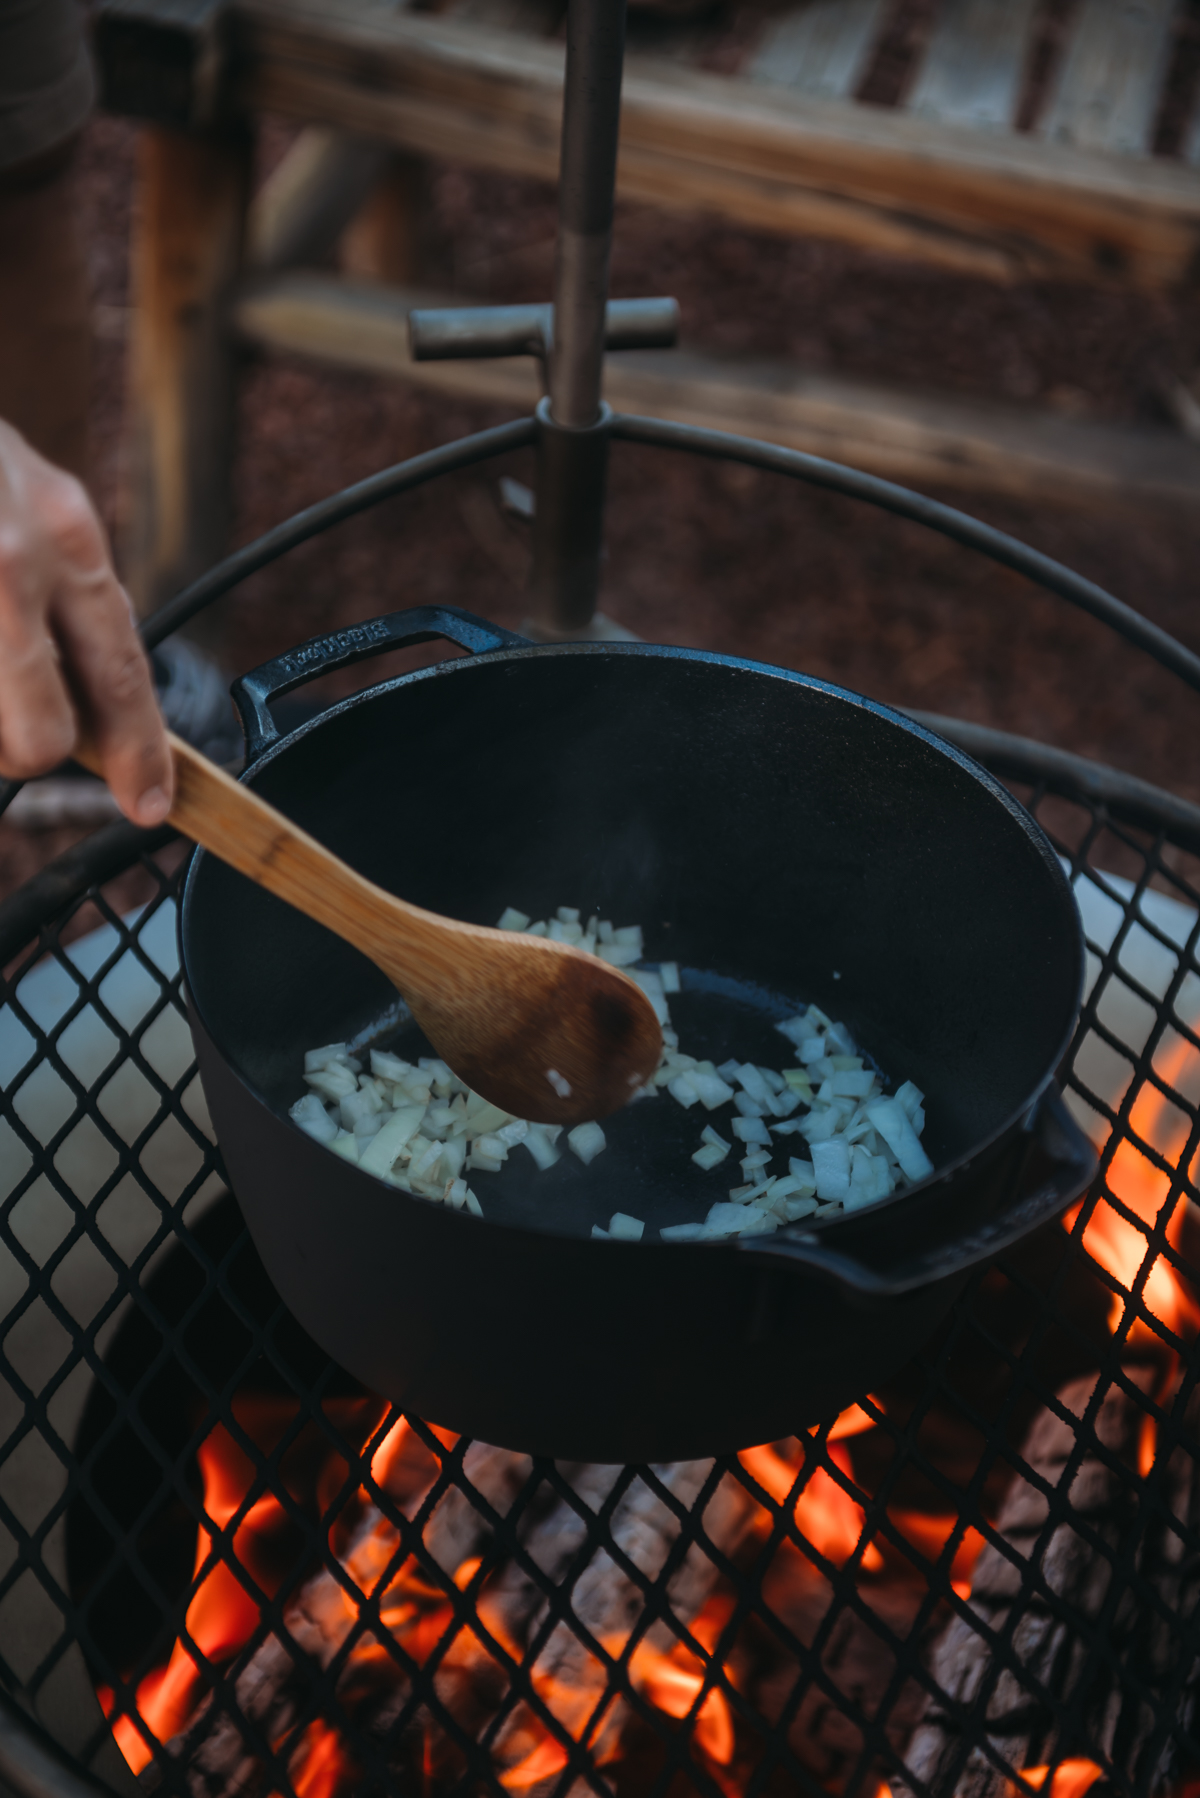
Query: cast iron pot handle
(254, 692)
(1073, 1166)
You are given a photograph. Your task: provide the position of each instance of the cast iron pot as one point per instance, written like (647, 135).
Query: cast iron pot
(784, 842)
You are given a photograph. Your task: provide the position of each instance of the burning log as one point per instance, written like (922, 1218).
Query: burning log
(1087, 1647)
(313, 1668)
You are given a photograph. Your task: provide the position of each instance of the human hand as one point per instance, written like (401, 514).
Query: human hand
(70, 656)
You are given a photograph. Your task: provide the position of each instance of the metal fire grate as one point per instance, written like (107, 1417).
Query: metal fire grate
(137, 1327)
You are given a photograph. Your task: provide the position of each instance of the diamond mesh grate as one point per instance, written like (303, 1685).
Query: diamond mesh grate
(986, 1569)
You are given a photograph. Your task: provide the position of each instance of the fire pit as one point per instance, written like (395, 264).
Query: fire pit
(227, 1569)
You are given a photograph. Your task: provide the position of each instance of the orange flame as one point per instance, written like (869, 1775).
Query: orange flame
(1070, 1779)
(1119, 1245)
(320, 1766)
(543, 1762)
(825, 1514)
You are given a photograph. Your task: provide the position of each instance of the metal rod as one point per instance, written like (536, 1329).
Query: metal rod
(587, 179)
(572, 440)
(627, 427)
(455, 333)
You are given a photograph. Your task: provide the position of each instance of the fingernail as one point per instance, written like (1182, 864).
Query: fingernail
(152, 807)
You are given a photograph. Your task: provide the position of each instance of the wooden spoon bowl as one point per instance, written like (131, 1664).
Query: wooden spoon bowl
(542, 1029)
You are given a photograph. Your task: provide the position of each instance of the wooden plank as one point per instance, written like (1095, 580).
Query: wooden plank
(1107, 94)
(973, 64)
(923, 438)
(190, 216)
(992, 203)
(819, 48)
(308, 199)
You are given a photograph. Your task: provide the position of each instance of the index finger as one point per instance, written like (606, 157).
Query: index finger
(109, 675)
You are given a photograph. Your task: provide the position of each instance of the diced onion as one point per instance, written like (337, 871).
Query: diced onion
(512, 919)
(586, 1141)
(419, 1127)
(831, 1165)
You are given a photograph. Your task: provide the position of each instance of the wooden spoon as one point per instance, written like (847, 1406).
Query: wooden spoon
(542, 1029)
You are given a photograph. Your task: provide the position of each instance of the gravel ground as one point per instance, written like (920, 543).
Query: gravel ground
(711, 554)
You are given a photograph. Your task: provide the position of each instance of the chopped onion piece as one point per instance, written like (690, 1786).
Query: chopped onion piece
(683, 1089)
(486, 1118)
(512, 919)
(541, 1146)
(751, 1130)
(747, 1107)
(805, 1172)
(709, 1156)
(333, 1082)
(668, 973)
(751, 1081)
(892, 1123)
(831, 1165)
(623, 1228)
(759, 1223)
(587, 1140)
(910, 1098)
(796, 1208)
(562, 1087)
(709, 1135)
(852, 1083)
(621, 955)
(313, 1118)
(711, 1089)
(346, 1145)
(819, 1125)
(388, 1067)
(316, 1059)
(385, 1147)
(793, 1028)
(601, 1235)
(724, 1219)
(681, 1232)
(566, 914)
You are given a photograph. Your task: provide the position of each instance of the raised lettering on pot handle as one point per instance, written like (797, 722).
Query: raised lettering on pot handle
(254, 693)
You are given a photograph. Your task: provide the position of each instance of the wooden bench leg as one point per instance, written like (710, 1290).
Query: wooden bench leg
(187, 247)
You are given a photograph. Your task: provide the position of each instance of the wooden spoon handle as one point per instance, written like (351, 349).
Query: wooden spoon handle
(240, 828)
